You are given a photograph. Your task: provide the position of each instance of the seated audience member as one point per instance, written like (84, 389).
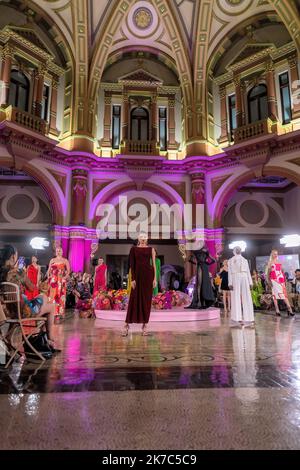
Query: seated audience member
(39, 306)
(2, 315)
(71, 286)
(263, 280)
(84, 297)
(294, 291)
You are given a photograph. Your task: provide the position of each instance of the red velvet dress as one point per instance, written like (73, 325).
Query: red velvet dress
(100, 283)
(32, 274)
(142, 272)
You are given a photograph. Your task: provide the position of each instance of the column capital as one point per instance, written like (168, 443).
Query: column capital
(54, 84)
(269, 66)
(171, 101)
(79, 172)
(197, 176)
(293, 61)
(107, 94)
(8, 51)
(222, 91)
(237, 80)
(41, 71)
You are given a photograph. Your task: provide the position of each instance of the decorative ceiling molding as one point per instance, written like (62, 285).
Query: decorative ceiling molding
(289, 15)
(59, 12)
(187, 14)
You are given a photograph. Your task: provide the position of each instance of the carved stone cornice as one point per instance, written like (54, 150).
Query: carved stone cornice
(248, 64)
(119, 87)
(17, 42)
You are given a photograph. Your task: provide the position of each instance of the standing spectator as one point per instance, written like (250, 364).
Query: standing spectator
(294, 295)
(34, 274)
(100, 279)
(224, 287)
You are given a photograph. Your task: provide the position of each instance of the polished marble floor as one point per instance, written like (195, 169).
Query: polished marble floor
(200, 385)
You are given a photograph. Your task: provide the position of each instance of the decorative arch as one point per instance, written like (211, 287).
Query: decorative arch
(225, 192)
(233, 183)
(180, 52)
(46, 184)
(108, 194)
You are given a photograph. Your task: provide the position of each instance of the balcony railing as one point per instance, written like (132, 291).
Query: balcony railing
(140, 147)
(27, 120)
(250, 131)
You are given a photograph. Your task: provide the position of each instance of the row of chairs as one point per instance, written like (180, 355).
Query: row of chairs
(18, 330)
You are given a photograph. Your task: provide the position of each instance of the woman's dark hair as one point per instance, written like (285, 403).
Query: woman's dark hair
(5, 254)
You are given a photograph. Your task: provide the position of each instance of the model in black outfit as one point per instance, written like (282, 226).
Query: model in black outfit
(203, 296)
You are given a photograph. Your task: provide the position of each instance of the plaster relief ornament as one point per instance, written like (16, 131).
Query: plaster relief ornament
(143, 18)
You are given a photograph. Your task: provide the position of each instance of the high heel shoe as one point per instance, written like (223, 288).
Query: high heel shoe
(125, 331)
(145, 331)
(291, 313)
(277, 314)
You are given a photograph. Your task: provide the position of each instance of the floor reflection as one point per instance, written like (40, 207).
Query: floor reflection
(95, 357)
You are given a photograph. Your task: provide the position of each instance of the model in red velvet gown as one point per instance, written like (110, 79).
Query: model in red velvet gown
(142, 260)
(100, 280)
(33, 273)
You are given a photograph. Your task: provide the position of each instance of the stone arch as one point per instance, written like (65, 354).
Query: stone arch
(46, 184)
(111, 191)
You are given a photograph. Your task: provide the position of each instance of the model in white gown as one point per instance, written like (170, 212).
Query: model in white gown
(240, 281)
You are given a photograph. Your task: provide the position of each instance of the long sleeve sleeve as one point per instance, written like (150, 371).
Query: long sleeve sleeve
(132, 263)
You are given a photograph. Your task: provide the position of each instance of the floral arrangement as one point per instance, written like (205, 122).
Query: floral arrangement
(169, 299)
(118, 300)
(111, 300)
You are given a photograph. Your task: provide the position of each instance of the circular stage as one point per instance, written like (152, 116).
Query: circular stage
(174, 315)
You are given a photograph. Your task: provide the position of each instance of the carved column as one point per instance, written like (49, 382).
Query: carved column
(198, 200)
(125, 116)
(224, 124)
(5, 74)
(238, 100)
(79, 192)
(172, 144)
(272, 103)
(106, 141)
(53, 108)
(293, 63)
(214, 240)
(154, 118)
(90, 247)
(76, 249)
(39, 84)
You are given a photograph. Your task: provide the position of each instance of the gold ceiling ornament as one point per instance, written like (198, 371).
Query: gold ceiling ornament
(142, 18)
(234, 2)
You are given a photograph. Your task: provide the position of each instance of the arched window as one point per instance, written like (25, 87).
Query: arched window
(139, 124)
(19, 90)
(258, 103)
